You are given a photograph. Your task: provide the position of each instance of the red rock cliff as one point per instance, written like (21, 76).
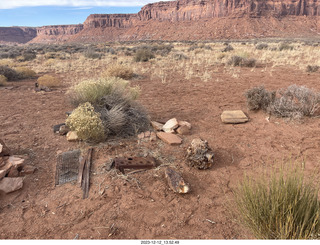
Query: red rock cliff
(17, 34)
(110, 20)
(59, 30)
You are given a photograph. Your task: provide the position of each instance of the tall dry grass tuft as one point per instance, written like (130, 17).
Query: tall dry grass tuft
(281, 206)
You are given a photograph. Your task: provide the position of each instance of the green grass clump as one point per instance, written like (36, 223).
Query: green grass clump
(87, 123)
(93, 90)
(284, 206)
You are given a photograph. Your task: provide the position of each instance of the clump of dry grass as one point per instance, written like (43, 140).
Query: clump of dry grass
(241, 61)
(283, 206)
(26, 72)
(3, 80)
(49, 81)
(120, 71)
(9, 73)
(293, 102)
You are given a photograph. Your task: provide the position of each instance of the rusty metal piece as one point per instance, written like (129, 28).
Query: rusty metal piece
(123, 163)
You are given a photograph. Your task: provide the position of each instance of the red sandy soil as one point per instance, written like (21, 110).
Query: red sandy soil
(140, 205)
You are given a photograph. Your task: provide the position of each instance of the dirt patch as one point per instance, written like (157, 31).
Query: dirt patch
(141, 205)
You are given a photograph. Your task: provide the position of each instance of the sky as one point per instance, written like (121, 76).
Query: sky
(35, 13)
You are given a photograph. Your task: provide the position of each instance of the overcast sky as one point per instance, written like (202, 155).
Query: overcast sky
(57, 12)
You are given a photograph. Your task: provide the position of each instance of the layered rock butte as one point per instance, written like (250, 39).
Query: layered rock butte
(186, 20)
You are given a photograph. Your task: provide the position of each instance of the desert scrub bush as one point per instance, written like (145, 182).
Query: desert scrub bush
(120, 71)
(285, 46)
(312, 68)
(9, 73)
(27, 56)
(259, 98)
(261, 46)
(26, 72)
(3, 80)
(143, 55)
(49, 81)
(241, 61)
(92, 54)
(179, 56)
(93, 90)
(87, 123)
(282, 206)
(228, 48)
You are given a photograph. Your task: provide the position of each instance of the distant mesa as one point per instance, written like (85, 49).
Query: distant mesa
(184, 20)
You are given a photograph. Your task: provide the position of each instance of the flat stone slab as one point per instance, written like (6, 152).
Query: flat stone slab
(169, 138)
(234, 117)
(8, 185)
(156, 125)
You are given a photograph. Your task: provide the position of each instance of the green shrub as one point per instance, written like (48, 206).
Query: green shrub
(9, 73)
(93, 90)
(119, 71)
(49, 81)
(87, 123)
(143, 55)
(3, 80)
(284, 206)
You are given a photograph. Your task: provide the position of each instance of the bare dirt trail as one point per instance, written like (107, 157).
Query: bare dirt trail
(140, 205)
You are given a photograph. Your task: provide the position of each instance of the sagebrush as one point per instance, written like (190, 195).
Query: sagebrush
(120, 71)
(49, 81)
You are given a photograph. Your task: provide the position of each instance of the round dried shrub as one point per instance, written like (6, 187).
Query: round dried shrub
(119, 71)
(9, 73)
(87, 123)
(26, 72)
(3, 80)
(49, 81)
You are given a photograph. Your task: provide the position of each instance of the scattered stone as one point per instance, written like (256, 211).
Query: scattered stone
(72, 136)
(234, 117)
(8, 185)
(27, 169)
(183, 130)
(156, 125)
(16, 161)
(56, 128)
(4, 150)
(141, 136)
(2, 162)
(69, 113)
(64, 129)
(170, 125)
(39, 88)
(153, 136)
(185, 123)
(171, 139)
(176, 182)
(5, 169)
(199, 154)
(147, 134)
(14, 172)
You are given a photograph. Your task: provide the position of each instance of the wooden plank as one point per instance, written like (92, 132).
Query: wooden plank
(86, 175)
(81, 168)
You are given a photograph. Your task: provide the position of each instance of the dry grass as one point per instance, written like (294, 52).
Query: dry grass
(3, 80)
(49, 81)
(26, 72)
(120, 71)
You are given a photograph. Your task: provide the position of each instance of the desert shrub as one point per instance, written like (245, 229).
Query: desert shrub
(87, 123)
(27, 56)
(9, 73)
(227, 48)
(295, 102)
(241, 61)
(122, 116)
(26, 72)
(119, 71)
(49, 81)
(143, 55)
(180, 56)
(259, 98)
(51, 55)
(92, 54)
(261, 46)
(312, 68)
(3, 80)
(93, 90)
(285, 46)
(282, 206)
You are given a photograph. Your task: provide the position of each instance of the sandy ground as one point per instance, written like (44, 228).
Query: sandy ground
(140, 205)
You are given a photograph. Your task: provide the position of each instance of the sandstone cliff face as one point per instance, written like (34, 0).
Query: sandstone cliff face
(17, 34)
(110, 20)
(59, 30)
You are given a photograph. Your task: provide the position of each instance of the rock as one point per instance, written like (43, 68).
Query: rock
(27, 169)
(185, 123)
(14, 172)
(16, 161)
(4, 150)
(2, 162)
(141, 136)
(56, 128)
(72, 136)
(169, 138)
(170, 125)
(234, 117)
(147, 134)
(64, 129)
(5, 169)
(199, 154)
(176, 182)
(156, 125)
(8, 185)
(183, 130)
(153, 136)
